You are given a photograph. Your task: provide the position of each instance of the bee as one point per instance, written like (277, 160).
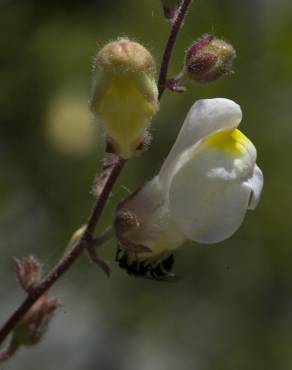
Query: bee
(159, 270)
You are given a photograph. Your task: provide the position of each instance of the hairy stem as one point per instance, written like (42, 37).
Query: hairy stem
(64, 264)
(176, 26)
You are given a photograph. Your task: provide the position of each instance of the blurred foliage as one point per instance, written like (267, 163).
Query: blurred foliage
(232, 307)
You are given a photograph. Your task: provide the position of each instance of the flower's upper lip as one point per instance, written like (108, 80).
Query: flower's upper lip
(206, 117)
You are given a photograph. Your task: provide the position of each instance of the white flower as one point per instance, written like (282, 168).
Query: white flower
(204, 188)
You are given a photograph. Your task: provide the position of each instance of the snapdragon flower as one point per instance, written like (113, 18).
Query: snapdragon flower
(202, 192)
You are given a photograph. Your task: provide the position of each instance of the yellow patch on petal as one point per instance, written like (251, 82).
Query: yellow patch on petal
(233, 142)
(126, 114)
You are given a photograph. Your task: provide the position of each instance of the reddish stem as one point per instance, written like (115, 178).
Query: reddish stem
(176, 26)
(68, 259)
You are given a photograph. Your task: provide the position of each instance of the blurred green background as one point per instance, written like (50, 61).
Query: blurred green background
(232, 308)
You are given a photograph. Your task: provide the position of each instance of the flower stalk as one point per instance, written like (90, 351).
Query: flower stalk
(66, 262)
(176, 27)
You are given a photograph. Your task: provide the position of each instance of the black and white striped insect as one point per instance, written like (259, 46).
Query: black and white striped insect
(160, 270)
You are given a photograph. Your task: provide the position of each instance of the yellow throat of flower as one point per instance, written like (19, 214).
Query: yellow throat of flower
(233, 142)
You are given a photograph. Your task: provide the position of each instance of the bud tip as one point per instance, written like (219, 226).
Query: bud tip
(28, 271)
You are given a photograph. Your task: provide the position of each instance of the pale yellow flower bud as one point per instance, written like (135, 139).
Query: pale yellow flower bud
(125, 95)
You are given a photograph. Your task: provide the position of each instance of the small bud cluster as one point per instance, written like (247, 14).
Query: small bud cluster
(34, 324)
(28, 272)
(208, 59)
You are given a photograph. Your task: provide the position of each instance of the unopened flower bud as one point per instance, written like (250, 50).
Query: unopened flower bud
(125, 95)
(28, 271)
(170, 7)
(208, 59)
(34, 324)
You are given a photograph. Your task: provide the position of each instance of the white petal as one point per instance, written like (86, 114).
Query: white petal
(155, 228)
(255, 184)
(205, 117)
(208, 194)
